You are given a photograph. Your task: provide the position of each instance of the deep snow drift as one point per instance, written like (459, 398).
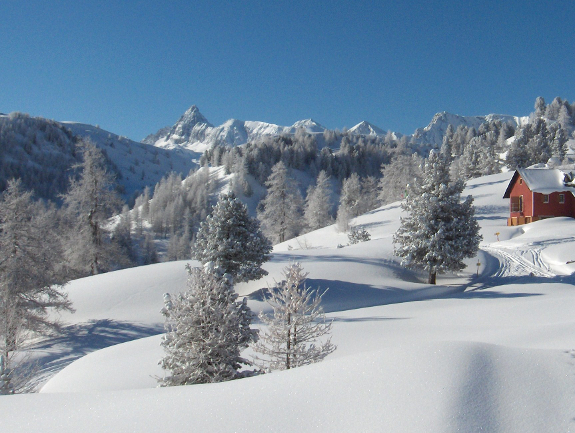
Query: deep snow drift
(476, 353)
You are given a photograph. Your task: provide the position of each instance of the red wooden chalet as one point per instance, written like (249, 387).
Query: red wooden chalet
(538, 193)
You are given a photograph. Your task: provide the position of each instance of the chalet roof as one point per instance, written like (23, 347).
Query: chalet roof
(543, 180)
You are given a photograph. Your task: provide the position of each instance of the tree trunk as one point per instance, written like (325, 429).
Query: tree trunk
(432, 276)
(288, 345)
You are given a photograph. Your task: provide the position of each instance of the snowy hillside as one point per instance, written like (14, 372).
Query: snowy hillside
(492, 352)
(42, 152)
(140, 164)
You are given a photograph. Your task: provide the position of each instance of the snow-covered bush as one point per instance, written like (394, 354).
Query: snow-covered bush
(356, 235)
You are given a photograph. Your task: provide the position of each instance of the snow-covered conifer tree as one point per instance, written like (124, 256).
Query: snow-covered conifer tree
(291, 338)
(90, 201)
(232, 240)
(207, 328)
(440, 230)
(317, 211)
(281, 214)
(30, 276)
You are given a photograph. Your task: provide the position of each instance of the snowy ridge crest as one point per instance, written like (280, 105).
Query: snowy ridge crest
(434, 132)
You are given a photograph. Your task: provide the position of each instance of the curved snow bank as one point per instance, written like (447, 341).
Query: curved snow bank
(133, 294)
(130, 365)
(440, 387)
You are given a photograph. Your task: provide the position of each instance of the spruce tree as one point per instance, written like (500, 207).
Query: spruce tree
(206, 330)
(232, 240)
(440, 230)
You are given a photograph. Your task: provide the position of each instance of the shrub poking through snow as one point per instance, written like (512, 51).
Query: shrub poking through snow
(356, 236)
(292, 334)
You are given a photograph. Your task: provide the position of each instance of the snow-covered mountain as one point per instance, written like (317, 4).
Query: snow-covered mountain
(193, 132)
(433, 133)
(366, 128)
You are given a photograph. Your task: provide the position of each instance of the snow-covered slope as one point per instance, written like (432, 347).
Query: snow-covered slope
(492, 352)
(140, 164)
(37, 147)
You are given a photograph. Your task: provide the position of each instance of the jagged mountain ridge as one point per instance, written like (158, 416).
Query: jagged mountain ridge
(193, 131)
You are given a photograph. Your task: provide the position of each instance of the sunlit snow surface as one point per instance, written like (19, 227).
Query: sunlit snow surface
(475, 353)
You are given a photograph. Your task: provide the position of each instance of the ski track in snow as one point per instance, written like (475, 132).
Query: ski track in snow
(520, 262)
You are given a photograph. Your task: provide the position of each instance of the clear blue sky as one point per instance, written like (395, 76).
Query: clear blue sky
(135, 66)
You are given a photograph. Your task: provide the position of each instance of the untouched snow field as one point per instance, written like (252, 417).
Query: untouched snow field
(490, 352)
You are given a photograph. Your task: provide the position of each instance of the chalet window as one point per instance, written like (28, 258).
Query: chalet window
(517, 204)
(545, 198)
(520, 181)
(561, 198)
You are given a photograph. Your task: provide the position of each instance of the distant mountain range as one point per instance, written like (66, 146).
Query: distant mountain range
(195, 133)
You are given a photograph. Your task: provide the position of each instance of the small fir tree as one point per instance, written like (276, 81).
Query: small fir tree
(293, 332)
(206, 330)
(440, 230)
(232, 240)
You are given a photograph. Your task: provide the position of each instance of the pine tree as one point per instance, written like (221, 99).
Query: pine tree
(206, 330)
(293, 332)
(232, 240)
(281, 214)
(440, 230)
(31, 279)
(317, 211)
(90, 201)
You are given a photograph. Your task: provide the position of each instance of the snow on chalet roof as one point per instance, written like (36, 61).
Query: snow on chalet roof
(544, 180)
